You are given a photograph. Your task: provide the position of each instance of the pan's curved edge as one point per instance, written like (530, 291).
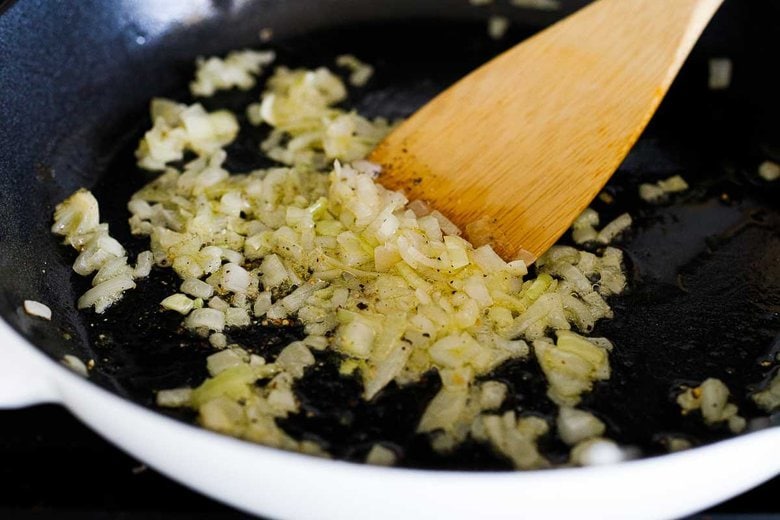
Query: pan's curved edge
(271, 482)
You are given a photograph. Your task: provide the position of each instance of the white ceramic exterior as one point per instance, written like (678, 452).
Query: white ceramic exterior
(288, 485)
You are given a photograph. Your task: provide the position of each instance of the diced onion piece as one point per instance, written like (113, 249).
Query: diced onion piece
(218, 303)
(378, 455)
(356, 338)
(177, 302)
(218, 340)
(235, 317)
(676, 443)
(143, 264)
(443, 410)
(220, 414)
(96, 253)
(262, 304)
(75, 364)
(294, 358)
(360, 72)
(673, 184)
(597, 452)
(222, 361)
(650, 192)
(769, 171)
(588, 218)
(492, 395)
(233, 383)
(655, 192)
(614, 228)
(447, 226)
(37, 309)
(714, 399)
(711, 397)
(769, 398)
(720, 73)
(282, 400)
(295, 300)
(103, 295)
(514, 438)
(174, 398)
(316, 342)
(571, 366)
(419, 207)
(209, 319)
(235, 278)
(476, 288)
(78, 219)
(583, 228)
(390, 354)
(487, 259)
(575, 426)
(274, 272)
(238, 69)
(497, 26)
(178, 128)
(76, 215)
(197, 288)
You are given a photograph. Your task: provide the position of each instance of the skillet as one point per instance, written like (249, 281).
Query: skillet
(705, 290)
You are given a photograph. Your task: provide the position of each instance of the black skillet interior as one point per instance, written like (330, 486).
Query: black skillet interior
(704, 297)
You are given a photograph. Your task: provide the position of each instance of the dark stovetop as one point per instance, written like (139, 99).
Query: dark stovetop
(54, 467)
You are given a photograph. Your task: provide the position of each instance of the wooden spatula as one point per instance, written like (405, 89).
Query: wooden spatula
(524, 143)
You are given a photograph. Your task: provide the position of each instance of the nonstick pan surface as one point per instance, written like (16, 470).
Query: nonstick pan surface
(704, 294)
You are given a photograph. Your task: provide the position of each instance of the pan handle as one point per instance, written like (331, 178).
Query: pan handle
(25, 374)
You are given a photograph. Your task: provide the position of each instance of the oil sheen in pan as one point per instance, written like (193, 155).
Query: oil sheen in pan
(704, 289)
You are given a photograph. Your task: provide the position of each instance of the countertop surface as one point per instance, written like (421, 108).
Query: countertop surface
(52, 466)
